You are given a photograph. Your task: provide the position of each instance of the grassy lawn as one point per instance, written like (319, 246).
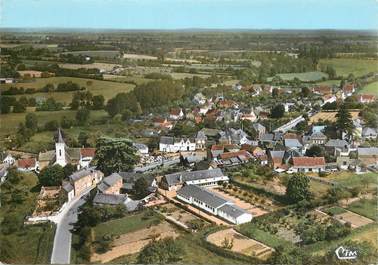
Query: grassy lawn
(351, 179)
(98, 87)
(329, 83)
(251, 231)
(318, 189)
(125, 225)
(335, 210)
(365, 207)
(371, 89)
(344, 67)
(305, 77)
(30, 243)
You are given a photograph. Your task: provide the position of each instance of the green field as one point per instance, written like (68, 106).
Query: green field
(104, 53)
(357, 67)
(304, 77)
(371, 89)
(335, 210)
(349, 179)
(30, 244)
(365, 207)
(329, 83)
(98, 87)
(125, 225)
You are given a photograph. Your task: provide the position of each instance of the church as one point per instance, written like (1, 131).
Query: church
(63, 155)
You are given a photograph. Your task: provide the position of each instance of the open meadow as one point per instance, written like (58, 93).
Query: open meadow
(357, 67)
(371, 89)
(97, 87)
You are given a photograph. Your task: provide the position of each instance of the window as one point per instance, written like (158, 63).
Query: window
(60, 152)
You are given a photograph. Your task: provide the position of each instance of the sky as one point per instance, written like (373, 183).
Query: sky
(189, 14)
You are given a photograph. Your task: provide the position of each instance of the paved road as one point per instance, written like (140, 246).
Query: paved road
(61, 253)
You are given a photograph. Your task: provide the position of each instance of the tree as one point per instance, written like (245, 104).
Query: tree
(68, 170)
(277, 111)
(297, 188)
(166, 250)
(305, 91)
(337, 230)
(51, 175)
(344, 122)
(82, 116)
(83, 138)
(18, 107)
(98, 102)
(66, 122)
(115, 155)
(275, 92)
(51, 125)
(141, 188)
(31, 122)
(302, 126)
(315, 151)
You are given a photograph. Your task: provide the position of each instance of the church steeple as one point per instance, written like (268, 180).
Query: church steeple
(60, 150)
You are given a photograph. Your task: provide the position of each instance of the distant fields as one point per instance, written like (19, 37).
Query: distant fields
(98, 87)
(371, 89)
(104, 54)
(305, 77)
(357, 67)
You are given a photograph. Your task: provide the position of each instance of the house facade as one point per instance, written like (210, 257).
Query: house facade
(308, 164)
(169, 144)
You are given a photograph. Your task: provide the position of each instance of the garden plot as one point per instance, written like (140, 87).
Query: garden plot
(239, 243)
(172, 212)
(354, 219)
(253, 209)
(329, 116)
(134, 242)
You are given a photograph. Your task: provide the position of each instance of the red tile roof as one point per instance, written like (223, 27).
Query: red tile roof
(175, 111)
(26, 163)
(217, 147)
(87, 152)
(366, 97)
(322, 90)
(308, 161)
(348, 88)
(235, 154)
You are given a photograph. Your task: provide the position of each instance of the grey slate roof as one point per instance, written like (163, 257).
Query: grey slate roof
(367, 151)
(267, 137)
(367, 131)
(166, 140)
(68, 187)
(337, 143)
(60, 138)
(318, 135)
(80, 174)
(174, 178)
(277, 154)
(108, 182)
(112, 179)
(202, 195)
(111, 199)
(292, 143)
(232, 210)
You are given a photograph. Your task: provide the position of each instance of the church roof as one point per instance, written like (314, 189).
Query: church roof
(60, 137)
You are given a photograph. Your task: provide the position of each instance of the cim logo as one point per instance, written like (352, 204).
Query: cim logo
(344, 253)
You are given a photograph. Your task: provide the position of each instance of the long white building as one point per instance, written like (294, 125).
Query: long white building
(172, 145)
(214, 204)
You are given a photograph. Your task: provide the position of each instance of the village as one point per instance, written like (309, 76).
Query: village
(233, 172)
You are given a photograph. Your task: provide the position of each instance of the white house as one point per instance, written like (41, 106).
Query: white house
(171, 145)
(176, 114)
(142, 149)
(9, 160)
(199, 98)
(308, 164)
(213, 203)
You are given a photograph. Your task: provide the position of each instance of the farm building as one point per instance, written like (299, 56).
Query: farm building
(208, 177)
(213, 203)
